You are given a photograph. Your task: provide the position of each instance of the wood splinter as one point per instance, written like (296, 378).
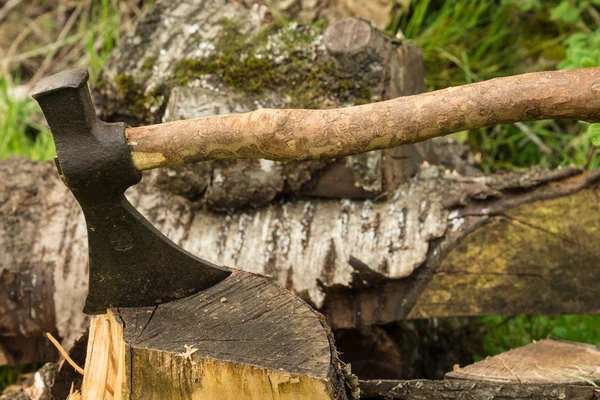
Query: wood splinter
(262, 342)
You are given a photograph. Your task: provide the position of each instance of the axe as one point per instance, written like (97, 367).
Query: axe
(133, 265)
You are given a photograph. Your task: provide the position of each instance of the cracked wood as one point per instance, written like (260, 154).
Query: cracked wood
(244, 337)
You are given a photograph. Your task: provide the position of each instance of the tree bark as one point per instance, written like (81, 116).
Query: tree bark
(512, 243)
(242, 338)
(379, 12)
(472, 390)
(442, 245)
(38, 387)
(371, 68)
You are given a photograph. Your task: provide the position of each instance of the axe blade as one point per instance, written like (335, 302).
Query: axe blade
(132, 264)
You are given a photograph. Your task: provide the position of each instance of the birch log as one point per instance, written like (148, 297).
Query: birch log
(442, 245)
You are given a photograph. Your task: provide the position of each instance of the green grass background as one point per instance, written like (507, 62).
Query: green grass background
(463, 41)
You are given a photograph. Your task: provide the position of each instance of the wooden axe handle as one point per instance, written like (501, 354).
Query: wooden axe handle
(288, 135)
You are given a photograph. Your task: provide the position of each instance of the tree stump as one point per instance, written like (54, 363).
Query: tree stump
(245, 337)
(550, 370)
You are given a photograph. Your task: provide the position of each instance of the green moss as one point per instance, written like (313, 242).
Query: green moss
(278, 58)
(346, 84)
(143, 104)
(125, 84)
(363, 95)
(148, 63)
(556, 52)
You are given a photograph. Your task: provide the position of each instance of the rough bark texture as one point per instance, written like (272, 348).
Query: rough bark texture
(360, 262)
(512, 243)
(472, 390)
(242, 338)
(290, 135)
(38, 387)
(550, 369)
(43, 274)
(176, 30)
(371, 68)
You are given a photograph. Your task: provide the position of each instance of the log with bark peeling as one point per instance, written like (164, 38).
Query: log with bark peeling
(442, 245)
(39, 386)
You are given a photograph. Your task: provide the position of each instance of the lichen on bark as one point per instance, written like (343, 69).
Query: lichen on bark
(287, 58)
(281, 60)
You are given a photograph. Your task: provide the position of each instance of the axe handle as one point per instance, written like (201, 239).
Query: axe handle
(297, 134)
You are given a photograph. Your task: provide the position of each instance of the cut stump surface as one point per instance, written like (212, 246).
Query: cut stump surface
(246, 337)
(546, 370)
(547, 361)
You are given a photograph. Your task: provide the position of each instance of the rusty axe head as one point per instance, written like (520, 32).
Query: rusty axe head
(132, 264)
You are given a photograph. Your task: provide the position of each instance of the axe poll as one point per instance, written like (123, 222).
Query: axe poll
(133, 265)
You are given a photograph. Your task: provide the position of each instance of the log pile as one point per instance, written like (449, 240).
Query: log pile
(376, 242)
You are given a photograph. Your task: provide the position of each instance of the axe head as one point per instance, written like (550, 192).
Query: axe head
(132, 264)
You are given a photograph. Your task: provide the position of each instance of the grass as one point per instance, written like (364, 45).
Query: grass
(470, 41)
(11, 376)
(501, 333)
(99, 45)
(463, 41)
(20, 124)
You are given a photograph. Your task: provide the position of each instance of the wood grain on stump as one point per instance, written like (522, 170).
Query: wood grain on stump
(548, 361)
(243, 338)
(549, 369)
